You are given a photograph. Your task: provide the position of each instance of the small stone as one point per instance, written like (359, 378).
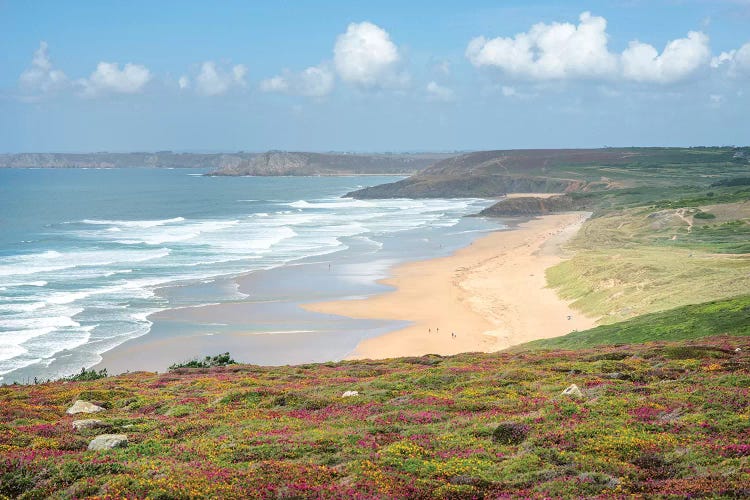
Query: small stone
(349, 394)
(89, 423)
(108, 441)
(83, 407)
(572, 391)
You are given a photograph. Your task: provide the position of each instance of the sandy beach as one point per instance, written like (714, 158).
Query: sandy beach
(488, 296)
(491, 294)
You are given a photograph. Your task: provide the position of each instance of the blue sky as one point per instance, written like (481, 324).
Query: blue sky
(372, 76)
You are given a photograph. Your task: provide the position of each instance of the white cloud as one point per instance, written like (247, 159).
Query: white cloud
(437, 92)
(561, 51)
(443, 67)
(275, 84)
(41, 76)
(183, 82)
(680, 59)
(513, 93)
(366, 56)
(213, 80)
(742, 57)
(549, 51)
(509, 91)
(108, 77)
(315, 81)
(737, 61)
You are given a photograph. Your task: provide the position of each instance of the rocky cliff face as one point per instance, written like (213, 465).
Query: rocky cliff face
(470, 186)
(296, 163)
(495, 173)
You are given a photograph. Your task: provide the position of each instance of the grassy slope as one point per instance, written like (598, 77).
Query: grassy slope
(686, 322)
(654, 420)
(638, 257)
(493, 173)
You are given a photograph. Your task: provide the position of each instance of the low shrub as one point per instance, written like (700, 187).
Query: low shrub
(510, 433)
(207, 362)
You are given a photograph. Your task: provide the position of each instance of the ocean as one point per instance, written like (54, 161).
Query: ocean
(88, 255)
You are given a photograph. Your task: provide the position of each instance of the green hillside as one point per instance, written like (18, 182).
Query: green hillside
(655, 420)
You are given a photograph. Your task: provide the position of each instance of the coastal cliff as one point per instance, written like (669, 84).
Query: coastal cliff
(299, 163)
(489, 174)
(271, 163)
(493, 173)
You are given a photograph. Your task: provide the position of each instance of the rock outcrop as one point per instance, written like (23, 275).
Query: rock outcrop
(81, 406)
(108, 441)
(572, 391)
(89, 423)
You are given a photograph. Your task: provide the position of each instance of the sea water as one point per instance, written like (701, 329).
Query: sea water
(85, 252)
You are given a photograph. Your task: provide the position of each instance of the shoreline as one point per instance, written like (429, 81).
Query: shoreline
(412, 311)
(486, 297)
(268, 325)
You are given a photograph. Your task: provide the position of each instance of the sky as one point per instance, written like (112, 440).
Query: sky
(85, 76)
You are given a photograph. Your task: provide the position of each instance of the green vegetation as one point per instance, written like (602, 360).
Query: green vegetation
(737, 181)
(703, 215)
(207, 362)
(85, 375)
(657, 420)
(632, 259)
(494, 173)
(686, 322)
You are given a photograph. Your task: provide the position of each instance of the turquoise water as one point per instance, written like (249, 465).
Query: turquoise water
(84, 253)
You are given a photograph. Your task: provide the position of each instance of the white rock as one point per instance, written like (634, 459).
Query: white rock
(572, 391)
(83, 407)
(108, 441)
(88, 423)
(349, 394)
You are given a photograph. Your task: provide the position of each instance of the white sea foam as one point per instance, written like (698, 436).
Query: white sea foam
(10, 351)
(15, 307)
(331, 203)
(280, 332)
(37, 283)
(133, 223)
(109, 270)
(52, 261)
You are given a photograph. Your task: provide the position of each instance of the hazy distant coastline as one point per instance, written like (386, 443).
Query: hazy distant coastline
(271, 163)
